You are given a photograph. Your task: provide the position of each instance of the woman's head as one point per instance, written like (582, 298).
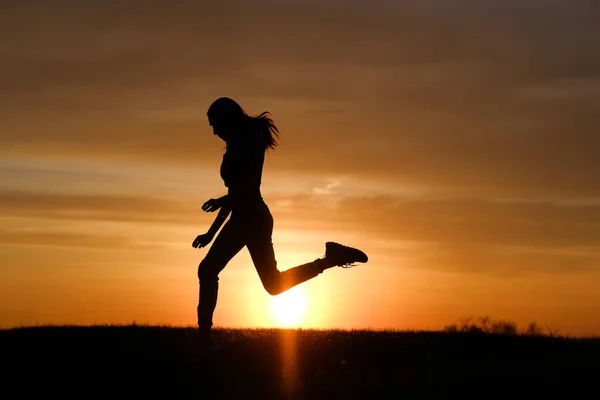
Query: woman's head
(230, 122)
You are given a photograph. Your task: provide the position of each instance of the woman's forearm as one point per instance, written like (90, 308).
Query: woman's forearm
(221, 217)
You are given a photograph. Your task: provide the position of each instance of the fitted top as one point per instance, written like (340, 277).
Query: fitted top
(241, 171)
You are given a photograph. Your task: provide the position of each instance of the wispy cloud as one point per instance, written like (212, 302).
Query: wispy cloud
(77, 240)
(474, 235)
(97, 207)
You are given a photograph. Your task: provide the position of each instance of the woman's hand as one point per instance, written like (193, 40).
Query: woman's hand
(212, 205)
(202, 240)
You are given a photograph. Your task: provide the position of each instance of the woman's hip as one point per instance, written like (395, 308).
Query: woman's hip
(257, 216)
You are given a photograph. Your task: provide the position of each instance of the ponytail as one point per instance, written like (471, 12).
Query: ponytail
(266, 129)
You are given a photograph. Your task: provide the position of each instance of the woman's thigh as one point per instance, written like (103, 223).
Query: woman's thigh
(227, 244)
(260, 245)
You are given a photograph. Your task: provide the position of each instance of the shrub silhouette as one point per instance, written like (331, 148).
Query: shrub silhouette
(483, 325)
(534, 329)
(500, 327)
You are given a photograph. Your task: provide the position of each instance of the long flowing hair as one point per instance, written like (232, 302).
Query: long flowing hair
(227, 111)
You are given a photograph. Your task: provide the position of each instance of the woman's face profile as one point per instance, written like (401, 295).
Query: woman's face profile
(218, 128)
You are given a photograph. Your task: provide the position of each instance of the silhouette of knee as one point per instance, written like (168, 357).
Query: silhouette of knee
(272, 285)
(206, 271)
(273, 291)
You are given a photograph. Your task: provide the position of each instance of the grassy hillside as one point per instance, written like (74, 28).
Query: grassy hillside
(139, 360)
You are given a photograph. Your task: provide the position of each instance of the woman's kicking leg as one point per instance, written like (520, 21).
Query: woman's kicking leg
(260, 246)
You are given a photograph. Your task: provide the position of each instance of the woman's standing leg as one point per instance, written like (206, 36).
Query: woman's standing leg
(260, 246)
(227, 244)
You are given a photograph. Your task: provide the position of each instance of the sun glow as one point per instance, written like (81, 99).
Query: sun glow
(288, 308)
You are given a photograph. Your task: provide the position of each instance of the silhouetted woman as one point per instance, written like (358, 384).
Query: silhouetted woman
(251, 224)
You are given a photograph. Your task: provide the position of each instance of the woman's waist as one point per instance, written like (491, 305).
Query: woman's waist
(250, 211)
(248, 198)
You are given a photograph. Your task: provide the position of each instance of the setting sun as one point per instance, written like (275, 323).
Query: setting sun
(288, 308)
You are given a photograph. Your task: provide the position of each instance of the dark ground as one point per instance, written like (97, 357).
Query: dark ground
(155, 362)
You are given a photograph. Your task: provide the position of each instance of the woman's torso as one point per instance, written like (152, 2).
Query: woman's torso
(241, 171)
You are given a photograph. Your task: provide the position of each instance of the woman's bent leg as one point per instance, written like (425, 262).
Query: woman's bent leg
(227, 244)
(260, 246)
(276, 282)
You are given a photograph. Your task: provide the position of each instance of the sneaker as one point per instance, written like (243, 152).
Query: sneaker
(343, 256)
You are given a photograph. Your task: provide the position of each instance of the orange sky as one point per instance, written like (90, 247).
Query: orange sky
(457, 144)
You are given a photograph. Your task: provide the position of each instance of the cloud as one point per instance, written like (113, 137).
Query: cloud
(329, 188)
(474, 236)
(61, 239)
(97, 207)
(489, 99)
(450, 235)
(456, 222)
